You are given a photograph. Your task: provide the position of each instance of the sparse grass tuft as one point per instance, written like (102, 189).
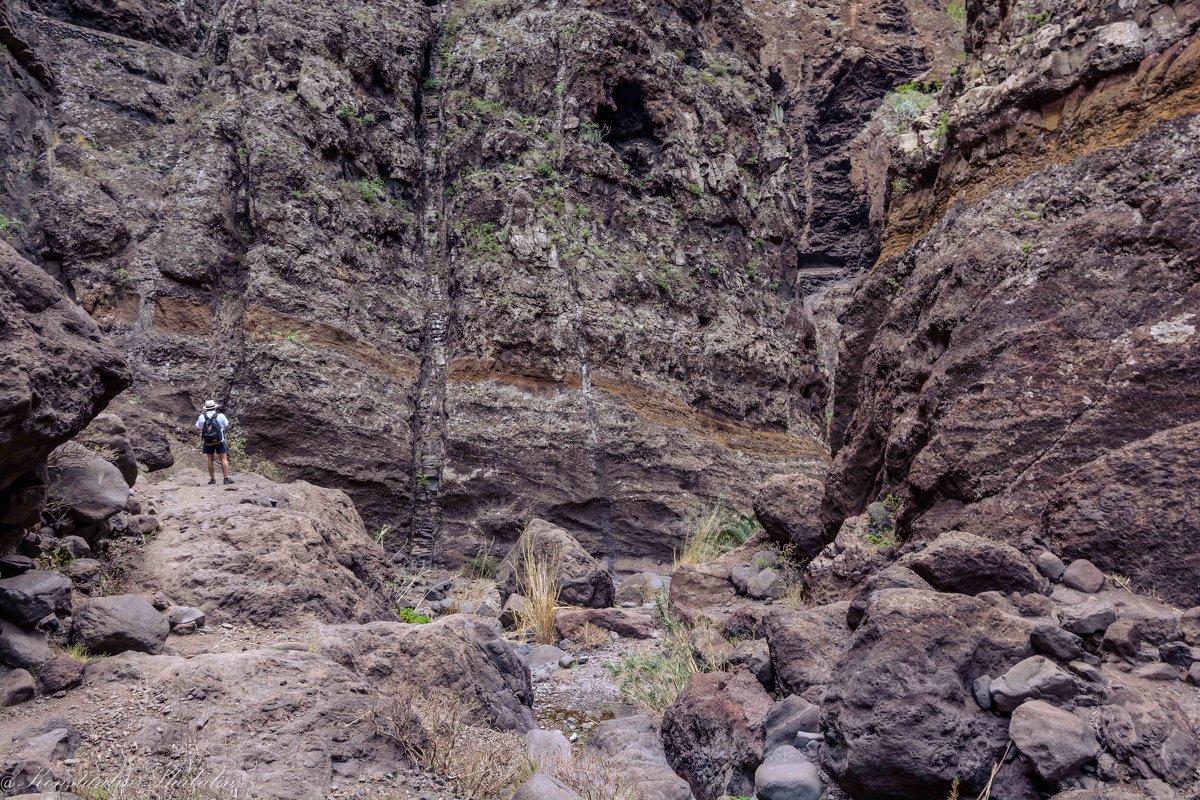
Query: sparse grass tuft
(412, 616)
(714, 532)
(591, 637)
(481, 565)
(436, 728)
(654, 680)
(76, 652)
(595, 779)
(537, 582)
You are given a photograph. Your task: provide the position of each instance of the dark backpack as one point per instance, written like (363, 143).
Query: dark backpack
(210, 434)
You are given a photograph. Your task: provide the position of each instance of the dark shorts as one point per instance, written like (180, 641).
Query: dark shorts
(219, 449)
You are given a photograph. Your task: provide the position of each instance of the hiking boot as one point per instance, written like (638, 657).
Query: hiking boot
(211, 481)
(228, 481)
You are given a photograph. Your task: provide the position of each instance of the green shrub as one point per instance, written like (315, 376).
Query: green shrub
(715, 531)
(412, 616)
(371, 190)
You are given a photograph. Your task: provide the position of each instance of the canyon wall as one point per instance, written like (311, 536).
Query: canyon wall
(474, 261)
(1022, 362)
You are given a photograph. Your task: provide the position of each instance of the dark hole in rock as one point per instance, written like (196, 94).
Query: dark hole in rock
(626, 126)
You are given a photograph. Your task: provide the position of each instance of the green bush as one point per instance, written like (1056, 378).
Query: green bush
(413, 616)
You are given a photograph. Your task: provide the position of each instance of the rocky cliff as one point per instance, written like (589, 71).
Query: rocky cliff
(474, 260)
(1022, 362)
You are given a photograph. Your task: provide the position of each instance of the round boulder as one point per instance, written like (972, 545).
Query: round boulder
(789, 509)
(117, 623)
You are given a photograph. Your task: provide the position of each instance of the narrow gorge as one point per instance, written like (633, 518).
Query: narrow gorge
(751, 398)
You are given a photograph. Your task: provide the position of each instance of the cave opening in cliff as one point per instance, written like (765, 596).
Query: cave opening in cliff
(627, 127)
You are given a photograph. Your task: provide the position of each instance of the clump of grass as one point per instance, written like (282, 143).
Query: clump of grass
(591, 637)
(437, 729)
(482, 565)
(77, 652)
(714, 532)
(653, 680)
(593, 778)
(537, 582)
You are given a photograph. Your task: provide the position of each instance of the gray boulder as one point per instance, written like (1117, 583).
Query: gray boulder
(634, 743)
(1052, 640)
(787, 774)
(185, 619)
(767, 583)
(582, 580)
(1189, 623)
(1090, 616)
(968, 564)
(1083, 576)
(58, 674)
(1035, 678)
(540, 656)
(805, 644)
(31, 596)
(789, 509)
(459, 652)
(118, 623)
(1050, 565)
(789, 716)
(892, 577)
(547, 749)
(16, 687)
(1056, 741)
(22, 648)
(107, 431)
(1152, 735)
(91, 488)
(755, 656)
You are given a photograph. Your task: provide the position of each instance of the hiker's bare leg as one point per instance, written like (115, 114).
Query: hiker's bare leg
(212, 476)
(224, 465)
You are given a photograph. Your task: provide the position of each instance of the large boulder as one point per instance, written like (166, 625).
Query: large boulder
(31, 596)
(626, 623)
(22, 648)
(1034, 678)
(262, 552)
(634, 744)
(891, 577)
(116, 623)
(858, 551)
(805, 644)
(87, 486)
(1056, 741)
(56, 373)
(713, 733)
(641, 588)
(709, 590)
(899, 717)
(582, 580)
(789, 509)
(968, 564)
(460, 652)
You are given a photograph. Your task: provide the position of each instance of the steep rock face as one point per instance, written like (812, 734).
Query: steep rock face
(1034, 308)
(56, 373)
(510, 259)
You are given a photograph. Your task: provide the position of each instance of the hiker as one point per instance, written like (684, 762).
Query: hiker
(212, 425)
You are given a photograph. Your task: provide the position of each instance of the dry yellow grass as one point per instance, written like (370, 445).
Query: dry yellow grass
(537, 582)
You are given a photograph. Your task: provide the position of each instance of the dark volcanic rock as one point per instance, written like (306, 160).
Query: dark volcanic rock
(805, 645)
(30, 596)
(1006, 373)
(789, 509)
(967, 564)
(56, 373)
(116, 623)
(899, 717)
(713, 733)
(1058, 742)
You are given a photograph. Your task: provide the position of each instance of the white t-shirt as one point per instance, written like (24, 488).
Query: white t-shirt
(222, 422)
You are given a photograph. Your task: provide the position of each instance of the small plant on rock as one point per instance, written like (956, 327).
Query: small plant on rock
(412, 616)
(481, 565)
